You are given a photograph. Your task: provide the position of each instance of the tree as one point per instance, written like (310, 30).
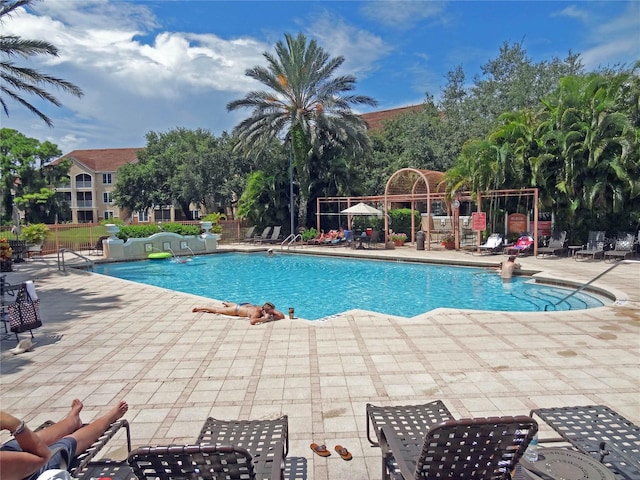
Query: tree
(15, 80)
(508, 83)
(28, 176)
(305, 104)
(179, 167)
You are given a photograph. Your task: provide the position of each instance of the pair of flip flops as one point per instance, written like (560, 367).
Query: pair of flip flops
(322, 451)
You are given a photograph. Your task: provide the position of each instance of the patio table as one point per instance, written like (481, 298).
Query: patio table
(600, 432)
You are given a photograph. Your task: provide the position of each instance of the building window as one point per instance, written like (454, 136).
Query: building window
(83, 180)
(143, 216)
(85, 216)
(66, 197)
(162, 214)
(106, 179)
(84, 200)
(108, 214)
(195, 214)
(106, 197)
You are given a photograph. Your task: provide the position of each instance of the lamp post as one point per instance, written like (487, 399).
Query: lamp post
(291, 183)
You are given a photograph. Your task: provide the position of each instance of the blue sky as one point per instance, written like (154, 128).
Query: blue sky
(161, 64)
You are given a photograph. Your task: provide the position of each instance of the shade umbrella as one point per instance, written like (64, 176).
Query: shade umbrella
(362, 209)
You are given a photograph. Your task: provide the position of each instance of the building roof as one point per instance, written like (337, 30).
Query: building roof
(376, 119)
(105, 159)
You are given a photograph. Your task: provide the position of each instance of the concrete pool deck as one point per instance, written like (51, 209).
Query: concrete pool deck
(104, 339)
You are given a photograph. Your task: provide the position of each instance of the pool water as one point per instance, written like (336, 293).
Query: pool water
(319, 287)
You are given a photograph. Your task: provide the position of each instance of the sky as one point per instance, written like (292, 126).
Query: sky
(161, 64)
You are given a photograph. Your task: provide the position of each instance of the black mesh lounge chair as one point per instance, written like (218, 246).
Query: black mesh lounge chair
(622, 249)
(98, 248)
(556, 244)
(470, 448)
(264, 235)
(83, 465)
(600, 432)
(595, 247)
(267, 441)
(207, 462)
(248, 237)
(274, 238)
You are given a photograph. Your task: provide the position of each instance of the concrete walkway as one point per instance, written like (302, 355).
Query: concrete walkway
(105, 339)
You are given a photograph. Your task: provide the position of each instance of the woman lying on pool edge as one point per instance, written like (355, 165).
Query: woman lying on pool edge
(265, 313)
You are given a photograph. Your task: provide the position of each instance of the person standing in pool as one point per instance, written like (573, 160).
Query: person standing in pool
(265, 313)
(507, 268)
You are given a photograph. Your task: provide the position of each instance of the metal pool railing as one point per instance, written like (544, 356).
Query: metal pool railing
(585, 285)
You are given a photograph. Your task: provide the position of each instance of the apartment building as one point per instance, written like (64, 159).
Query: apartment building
(92, 177)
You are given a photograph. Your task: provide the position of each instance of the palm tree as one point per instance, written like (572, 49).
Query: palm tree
(16, 80)
(306, 104)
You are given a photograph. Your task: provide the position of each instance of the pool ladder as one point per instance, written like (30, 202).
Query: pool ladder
(585, 285)
(290, 240)
(87, 262)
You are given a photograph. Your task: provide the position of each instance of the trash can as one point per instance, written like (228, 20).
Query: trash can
(420, 240)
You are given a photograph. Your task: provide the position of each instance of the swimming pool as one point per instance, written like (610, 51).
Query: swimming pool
(319, 287)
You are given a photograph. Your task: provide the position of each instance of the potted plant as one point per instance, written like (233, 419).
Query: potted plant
(398, 239)
(34, 234)
(5, 255)
(449, 241)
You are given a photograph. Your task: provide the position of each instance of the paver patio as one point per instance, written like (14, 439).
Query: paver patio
(104, 339)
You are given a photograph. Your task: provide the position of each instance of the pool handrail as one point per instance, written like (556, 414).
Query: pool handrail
(585, 285)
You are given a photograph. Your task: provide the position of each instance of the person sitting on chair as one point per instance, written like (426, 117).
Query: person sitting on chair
(256, 314)
(28, 454)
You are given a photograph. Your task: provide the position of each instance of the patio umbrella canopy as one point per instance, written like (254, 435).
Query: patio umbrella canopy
(361, 209)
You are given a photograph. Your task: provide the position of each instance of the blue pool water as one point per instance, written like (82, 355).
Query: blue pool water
(318, 287)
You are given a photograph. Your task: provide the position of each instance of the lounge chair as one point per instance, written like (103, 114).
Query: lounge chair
(205, 462)
(600, 432)
(595, 246)
(242, 449)
(470, 448)
(556, 244)
(263, 236)
(83, 465)
(248, 237)
(523, 246)
(492, 245)
(623, 247)
(275, 236)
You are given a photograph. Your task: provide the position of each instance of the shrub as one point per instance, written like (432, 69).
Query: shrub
(114, 221)
(181, 229)
(34, 233)
(400, 219)
(309, 234)
(137, 231)
(364, 222)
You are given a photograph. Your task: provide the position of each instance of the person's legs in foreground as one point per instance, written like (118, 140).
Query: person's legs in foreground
(86, 435)
(64, 427)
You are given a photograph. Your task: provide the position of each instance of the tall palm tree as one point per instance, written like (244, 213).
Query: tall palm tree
(16, 80)
(305, 104)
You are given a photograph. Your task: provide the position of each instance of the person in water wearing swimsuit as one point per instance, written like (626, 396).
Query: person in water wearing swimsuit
(265, 313)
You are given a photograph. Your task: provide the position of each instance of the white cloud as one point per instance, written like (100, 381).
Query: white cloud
(400, 13)
(573, 12)
(131, 87)
(360, 48)
(614, 39)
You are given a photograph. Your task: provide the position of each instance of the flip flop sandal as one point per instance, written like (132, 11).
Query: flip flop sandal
(343, 452)
(320, 450)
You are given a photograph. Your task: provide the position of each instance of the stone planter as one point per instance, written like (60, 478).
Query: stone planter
(449, 245)
(398, 243)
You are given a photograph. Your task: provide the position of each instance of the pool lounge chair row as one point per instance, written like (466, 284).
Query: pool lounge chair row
(264, 237)
(416, 442)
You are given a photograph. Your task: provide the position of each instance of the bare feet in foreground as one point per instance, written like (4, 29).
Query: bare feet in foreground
(118, 411)
(74, 413)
